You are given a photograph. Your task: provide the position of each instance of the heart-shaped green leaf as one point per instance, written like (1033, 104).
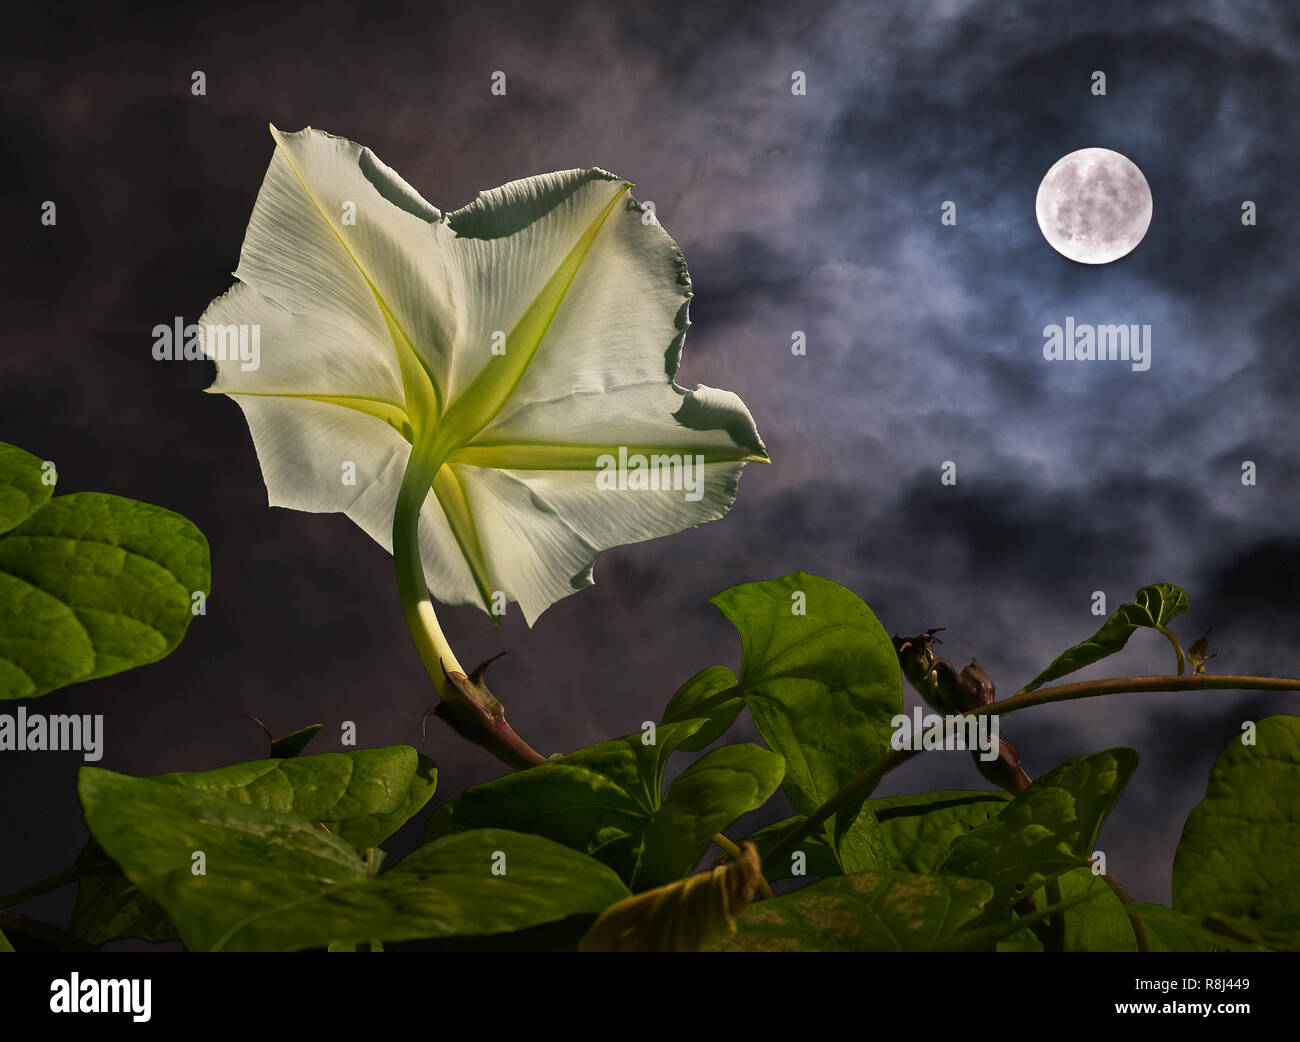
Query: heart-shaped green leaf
(23, 487)
(90, 584)
(705, 697)
(1153, 607)
(294, 742)
(585, 799)
(1239, 855)
(1048, 829)
(919, 830)
(703, 800)
(109, 906)
(1103, 925)
(269, 881)
(822, 680)
(870, 911)
(605, 800)
(361, 795)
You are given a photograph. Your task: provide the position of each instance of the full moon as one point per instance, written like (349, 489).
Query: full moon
(1094, 206)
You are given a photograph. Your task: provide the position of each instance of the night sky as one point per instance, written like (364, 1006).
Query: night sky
(818, 213)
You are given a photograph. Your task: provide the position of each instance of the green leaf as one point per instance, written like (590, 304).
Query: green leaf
(1153, 607)
(362, 795)
(823, 686)
(274, 882)
(597, 800)
(295, 741)
(1238, 856)
(5, 946)
(870, 911)
(919, 830)
(1046, 830)
(819, 859)
(563, 935)
(704, 799)
(109, 906)
(575, 806)
(633, 764)
(1001, 928)
(605, 800)
(1102, 924)
(699, 695)
(1232, 934)
(352, 946)
(22, 492)
(861, 846)
(91, 585)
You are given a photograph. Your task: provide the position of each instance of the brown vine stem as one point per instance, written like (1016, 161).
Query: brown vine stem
(864, 784)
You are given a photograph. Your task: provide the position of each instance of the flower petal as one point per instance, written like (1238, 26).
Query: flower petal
(616, 324)
(547, 527)
(706, 420)
(582, 516)
(534, 556)
(510, 243)
(304, 448)
(308, 355)
(338, 236)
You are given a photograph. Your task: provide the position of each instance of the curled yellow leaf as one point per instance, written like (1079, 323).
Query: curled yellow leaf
(681, 916)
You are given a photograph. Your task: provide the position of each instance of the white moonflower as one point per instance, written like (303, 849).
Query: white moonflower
(463, 385)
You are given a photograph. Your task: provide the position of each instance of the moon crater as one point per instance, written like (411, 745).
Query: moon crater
(1094, 206)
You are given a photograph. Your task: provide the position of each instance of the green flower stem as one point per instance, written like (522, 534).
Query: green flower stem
(1178, 648)
(430, 641)
(864, 784)
(466, 704)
